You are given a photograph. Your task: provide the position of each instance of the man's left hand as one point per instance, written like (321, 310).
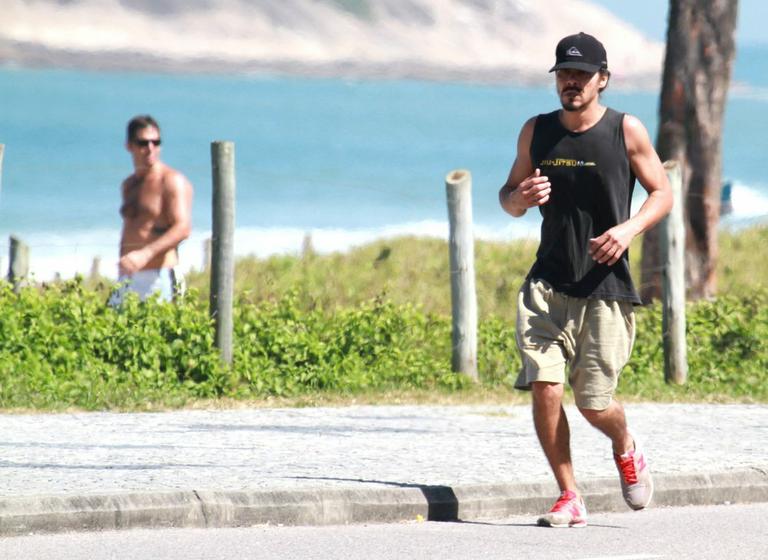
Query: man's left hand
(608, 248)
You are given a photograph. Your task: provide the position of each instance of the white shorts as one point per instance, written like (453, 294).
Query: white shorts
(162, 282)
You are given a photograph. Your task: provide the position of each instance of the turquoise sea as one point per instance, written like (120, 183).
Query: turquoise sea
(346, 161)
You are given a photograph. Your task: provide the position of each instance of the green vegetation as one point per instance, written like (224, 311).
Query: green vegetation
(358, 8)
(372, 325)
(743, 261)
(403, 271)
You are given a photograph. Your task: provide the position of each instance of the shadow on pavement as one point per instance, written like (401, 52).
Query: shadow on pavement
(443, 505)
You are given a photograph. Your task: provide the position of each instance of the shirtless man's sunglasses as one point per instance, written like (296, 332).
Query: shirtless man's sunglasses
(144, 143)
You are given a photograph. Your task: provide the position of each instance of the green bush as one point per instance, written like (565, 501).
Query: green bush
(61, 346)
(727, 341)
(284, 351)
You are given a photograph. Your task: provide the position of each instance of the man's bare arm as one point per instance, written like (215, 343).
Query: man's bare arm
(647, 167)
(525, 186)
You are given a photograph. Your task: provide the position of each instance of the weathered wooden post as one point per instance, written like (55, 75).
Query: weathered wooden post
(18, 265)
(95, 274)
(222, 258)
(672, 237)
(458, 186)
(2, 151)
(207, 250)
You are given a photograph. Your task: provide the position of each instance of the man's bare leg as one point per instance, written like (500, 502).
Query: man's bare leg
(553, 431)
(634, 473)
(613, 423)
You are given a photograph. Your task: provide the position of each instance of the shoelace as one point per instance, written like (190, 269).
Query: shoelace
(627, 467)
(564, 501)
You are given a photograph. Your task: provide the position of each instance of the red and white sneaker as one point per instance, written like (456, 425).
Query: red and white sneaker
(635, 477)
(568, 511)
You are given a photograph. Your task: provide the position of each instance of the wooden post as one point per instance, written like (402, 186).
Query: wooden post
(95, 274)
(458, 186)
(18, 265)
(207, 250)
(222, 258)
(2, 151)
(672, 237)
(307, 250)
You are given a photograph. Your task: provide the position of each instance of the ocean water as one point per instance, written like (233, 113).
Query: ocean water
(342, 160)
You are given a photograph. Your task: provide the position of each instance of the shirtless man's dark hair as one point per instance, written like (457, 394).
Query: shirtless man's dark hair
(137, 123)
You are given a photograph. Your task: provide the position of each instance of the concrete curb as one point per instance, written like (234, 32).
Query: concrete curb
(323, 506)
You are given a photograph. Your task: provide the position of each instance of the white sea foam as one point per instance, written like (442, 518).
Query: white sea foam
(750, 207)
(71, 254)
(749, 201)
(749, 92)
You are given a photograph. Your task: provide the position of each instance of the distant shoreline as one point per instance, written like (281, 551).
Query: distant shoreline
(29, 55)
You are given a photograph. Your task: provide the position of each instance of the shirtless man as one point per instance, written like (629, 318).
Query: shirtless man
(156, 211)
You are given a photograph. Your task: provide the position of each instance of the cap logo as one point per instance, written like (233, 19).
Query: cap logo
(573, 51)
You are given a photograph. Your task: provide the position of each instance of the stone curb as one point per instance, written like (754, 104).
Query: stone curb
(324, 506)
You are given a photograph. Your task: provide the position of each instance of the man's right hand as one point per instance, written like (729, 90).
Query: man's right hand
(532, 191)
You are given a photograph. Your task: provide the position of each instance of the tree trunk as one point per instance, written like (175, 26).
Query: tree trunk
(697, 73)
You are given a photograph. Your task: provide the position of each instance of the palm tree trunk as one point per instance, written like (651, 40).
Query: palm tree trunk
(697, 73)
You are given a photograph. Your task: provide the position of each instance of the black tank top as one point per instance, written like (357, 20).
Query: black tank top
(592, 185)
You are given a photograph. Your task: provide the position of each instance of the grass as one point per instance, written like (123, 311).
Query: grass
(405, 270)
(743, 262)
(410, 270)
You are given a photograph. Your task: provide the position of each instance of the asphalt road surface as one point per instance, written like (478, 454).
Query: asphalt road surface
(717, 532)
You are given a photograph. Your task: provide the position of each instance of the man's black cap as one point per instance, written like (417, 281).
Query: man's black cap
(580, 52)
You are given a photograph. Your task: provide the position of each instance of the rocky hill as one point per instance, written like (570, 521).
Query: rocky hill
(488, 40)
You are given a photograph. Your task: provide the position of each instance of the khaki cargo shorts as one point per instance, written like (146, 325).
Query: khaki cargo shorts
(591, 339)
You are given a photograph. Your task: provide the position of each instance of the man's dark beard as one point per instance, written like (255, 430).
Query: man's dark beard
(568, 105)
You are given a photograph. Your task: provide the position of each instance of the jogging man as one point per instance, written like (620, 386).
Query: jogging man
(156, 211)
(578, 166)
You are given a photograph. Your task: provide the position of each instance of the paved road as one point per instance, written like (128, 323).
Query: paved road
(331, 465)
(681, 533)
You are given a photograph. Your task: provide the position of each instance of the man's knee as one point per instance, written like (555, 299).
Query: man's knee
(593, 416)
(596, 414)
(546, 393)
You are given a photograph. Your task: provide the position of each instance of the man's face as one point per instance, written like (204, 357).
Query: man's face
(145, 146)
(577, 88)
